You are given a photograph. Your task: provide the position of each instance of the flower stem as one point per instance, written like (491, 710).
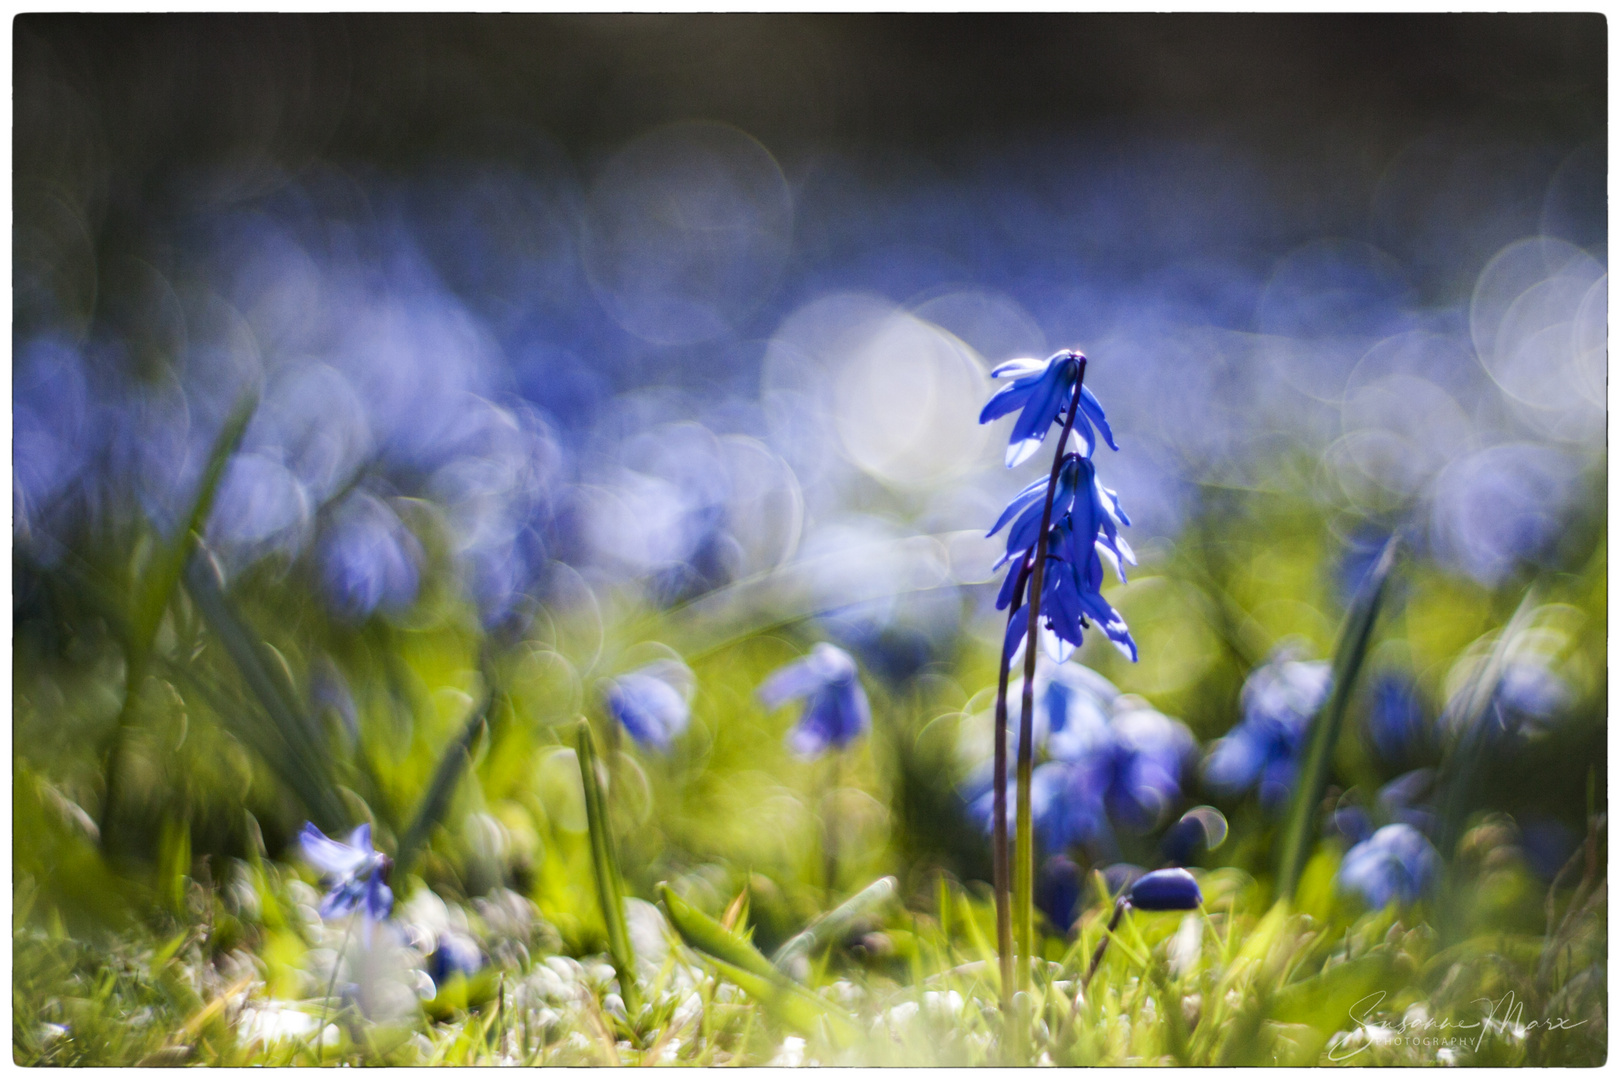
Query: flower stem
(1102, 946)
(998, 827)
(1024, 854)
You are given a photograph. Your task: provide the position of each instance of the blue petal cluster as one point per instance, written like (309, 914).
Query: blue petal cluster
(1112, 762)
(355, 873)
(653, 702)
(1040, 392)
(836, 711)
(1279, 699)
(1395, 863)
(1086, 517)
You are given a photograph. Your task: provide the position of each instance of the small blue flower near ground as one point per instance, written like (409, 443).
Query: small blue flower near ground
(355, 871)
(1173, 889)
(453, 955)
(653, 702)
(1279, 699)
(1395, 863)
(836, 711)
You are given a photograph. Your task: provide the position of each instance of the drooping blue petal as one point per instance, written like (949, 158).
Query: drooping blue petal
(1007, 399)
(330, 856)
(1020, 502)
(1093, 410)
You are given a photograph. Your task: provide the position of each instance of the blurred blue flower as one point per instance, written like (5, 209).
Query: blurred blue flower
(1547, 844)
(1352, 823)
(1395, 724)
(835, 710)
(653, 702)
(1396, 863)
(1173, 889)
(1279, 699)
(454, 954)
(355, 873)
(1057, 891)
(1112, 763)
(1531, 695)
(1201, 828)
(368, 559)
(1134, 772)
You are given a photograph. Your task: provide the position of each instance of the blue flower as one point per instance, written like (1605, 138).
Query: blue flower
(454, 955)
(1057, 891)
(1396, 863)
(355, 873)
(1395, 724)
(1279, 699)
(1086, 520)
(1113, 763)
(652, 702)
(368, 559)
(1165, 890)
(1202, 827)
(835, 709)
(1042, 389)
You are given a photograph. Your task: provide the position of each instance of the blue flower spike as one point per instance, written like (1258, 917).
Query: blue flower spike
(653, 703)
(356, 873)
(836, 711)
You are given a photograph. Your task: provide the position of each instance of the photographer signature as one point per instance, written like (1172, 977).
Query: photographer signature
(1506, 1014)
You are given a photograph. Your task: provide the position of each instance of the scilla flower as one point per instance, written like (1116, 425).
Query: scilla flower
(1042, 389)
(1396, 863)
(1086, 518)
(356, 873)
(1279, 699)
(653, 702)
(835, 709)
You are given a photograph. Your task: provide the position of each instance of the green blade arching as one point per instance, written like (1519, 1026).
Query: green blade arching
(436, 801)
(1325, 726)
(605, 861)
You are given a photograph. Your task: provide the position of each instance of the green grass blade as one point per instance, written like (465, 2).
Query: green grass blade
(708, 936)
(445, 775)
(157, 587)
(791, 1004)
(735, 957)
(1454, 787)
(832, 925)
(306, 765)
(1325, 726)
(609, 884)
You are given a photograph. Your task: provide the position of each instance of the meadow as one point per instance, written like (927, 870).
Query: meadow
(507, 600)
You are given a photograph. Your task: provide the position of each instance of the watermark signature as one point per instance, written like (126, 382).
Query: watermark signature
(1504, 1016)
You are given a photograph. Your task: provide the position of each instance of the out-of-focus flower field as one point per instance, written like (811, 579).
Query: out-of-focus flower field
(501, 562)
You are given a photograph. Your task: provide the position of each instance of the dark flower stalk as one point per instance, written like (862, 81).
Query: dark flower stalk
(1024, 856)
(998, 828)
(1075, 528)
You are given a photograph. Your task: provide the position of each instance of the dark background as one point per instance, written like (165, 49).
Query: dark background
(167, 90)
